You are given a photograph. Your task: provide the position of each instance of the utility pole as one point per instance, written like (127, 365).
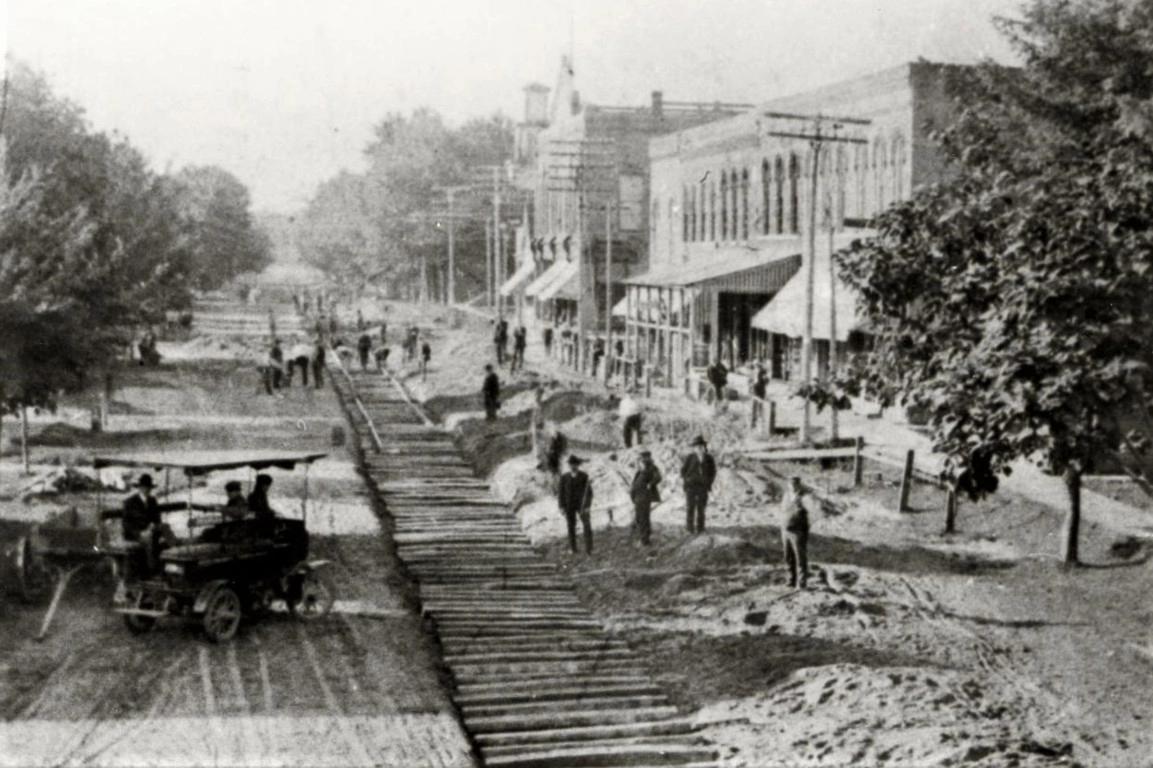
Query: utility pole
(488, 261)
(494, 289)
(450, 295)
(608, 289)
(816, 140)
(834, 418)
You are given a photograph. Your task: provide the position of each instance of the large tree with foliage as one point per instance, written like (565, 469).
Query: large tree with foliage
(384, 223)
(222, 238)
(1014, 300)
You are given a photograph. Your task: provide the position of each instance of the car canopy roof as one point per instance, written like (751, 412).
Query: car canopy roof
(203, 462)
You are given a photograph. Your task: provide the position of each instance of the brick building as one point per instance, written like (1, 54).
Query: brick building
(729, 208)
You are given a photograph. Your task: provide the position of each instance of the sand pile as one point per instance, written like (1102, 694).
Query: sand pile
(854, 715)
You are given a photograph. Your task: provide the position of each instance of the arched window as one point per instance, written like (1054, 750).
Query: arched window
(744, 203)
(685, 214)
(794, 179)
(693, 213)
(779, 195)
(654, 226)
(766, 198)
(704, 198)
(725, 205)
(713, 210)
(898, 161)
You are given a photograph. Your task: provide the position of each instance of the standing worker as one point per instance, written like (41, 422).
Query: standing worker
(299, 356)
(795, 533)
(491, 393)
(547, 337)
(575, 497)
(318, 363)
(277, 355)
(363, 347)
(645, 492)
(719, 378)
(697, 475)
(499, 340)
(630, 411)
(425, 358)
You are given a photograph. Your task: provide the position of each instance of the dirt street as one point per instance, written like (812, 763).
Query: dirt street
(361, 687)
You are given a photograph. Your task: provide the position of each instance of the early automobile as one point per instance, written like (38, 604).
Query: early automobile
(226, 569)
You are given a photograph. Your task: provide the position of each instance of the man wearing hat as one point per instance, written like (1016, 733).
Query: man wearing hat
(575, 497)
(795, 533)
(258, 499)
(236, 508)
(697, 474)
(141, 520)
(645, 492)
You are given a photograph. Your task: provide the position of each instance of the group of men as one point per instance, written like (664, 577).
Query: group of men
(500, 338)
(277, 370)
(141, 520)
(698, 473)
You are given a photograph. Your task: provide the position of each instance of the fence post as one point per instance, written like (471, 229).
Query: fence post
(951, 511)
(858, 461)
(906, 483)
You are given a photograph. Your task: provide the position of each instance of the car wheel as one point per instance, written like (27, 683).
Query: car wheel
(222, 615)
(137, 624)
(311, 596)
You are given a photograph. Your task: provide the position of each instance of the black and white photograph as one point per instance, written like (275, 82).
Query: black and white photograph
(602, 384)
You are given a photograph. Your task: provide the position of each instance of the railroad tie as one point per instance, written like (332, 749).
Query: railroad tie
(539, 682)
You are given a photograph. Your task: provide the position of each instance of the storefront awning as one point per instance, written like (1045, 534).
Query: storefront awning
(544, 278)
(522, 275)
(565, 286)
(621, 308)
(758, 272)
(785, 313)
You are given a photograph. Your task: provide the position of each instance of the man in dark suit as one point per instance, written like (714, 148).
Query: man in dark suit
(491, 393)
(645, 492)
(697, 474)
(575, 497)
(141, 522)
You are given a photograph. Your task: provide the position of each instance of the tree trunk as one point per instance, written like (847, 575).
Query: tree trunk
(24, 438)
(1073, 517)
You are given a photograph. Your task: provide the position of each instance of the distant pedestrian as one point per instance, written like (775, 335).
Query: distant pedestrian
(318, 364)
(277, 355)
(598, 355)
(795, 533)
(760, 388)
(383, 333)
(645, 492)
(697, 475)
(425, 358)
(719, 378)
(499, 340)
(630, 411)
(575, 498)
(519, 343)
(363, 347)
(491, 393)
(547, 336)
(333, 325)
(359, 321)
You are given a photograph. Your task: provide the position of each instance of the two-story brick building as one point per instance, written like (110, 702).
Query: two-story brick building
(729, 209)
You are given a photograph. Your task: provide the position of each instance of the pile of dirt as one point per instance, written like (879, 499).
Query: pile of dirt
(847, 714)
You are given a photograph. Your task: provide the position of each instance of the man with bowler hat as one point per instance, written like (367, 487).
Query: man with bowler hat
(697, 474)
(141, 522)
(575, 497)
(645, 492)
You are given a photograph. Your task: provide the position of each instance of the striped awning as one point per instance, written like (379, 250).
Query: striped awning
(544, 278)
(744, 273)
(565, 286)
(785, 312)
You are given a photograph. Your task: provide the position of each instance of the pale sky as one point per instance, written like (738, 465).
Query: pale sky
(284, 93)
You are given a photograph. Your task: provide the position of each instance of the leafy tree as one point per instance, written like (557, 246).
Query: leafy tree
(382, 225)
(222, 239)
(1013, 299)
